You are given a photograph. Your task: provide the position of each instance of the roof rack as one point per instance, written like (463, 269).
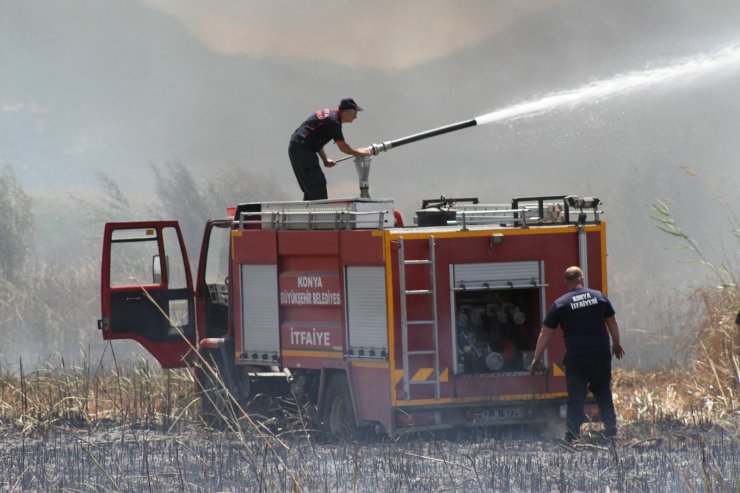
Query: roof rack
(489, 214)
(333, 214)
(523, 212)
(560, 209)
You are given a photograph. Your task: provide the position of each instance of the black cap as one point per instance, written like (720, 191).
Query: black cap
(349, 104)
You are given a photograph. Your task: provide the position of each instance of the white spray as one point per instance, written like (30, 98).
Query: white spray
(697, 66)
(598, 91)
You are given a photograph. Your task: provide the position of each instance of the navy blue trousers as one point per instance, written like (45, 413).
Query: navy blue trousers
(591, 371)
(307, 171)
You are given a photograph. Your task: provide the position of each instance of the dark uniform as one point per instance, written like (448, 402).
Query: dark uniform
(582, 314)
(306, 141)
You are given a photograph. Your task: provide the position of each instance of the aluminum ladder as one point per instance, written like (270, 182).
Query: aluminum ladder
(420, 324)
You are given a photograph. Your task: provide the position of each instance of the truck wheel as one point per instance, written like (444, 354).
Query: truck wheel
(214, 405)
(338, 415)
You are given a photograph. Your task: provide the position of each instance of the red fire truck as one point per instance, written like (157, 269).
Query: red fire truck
(369, 322)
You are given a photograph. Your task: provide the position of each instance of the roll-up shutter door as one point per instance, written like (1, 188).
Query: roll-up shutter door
(497, 275)
(367, 318)
(260, 322)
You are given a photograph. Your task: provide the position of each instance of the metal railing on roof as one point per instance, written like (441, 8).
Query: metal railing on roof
(314, 220)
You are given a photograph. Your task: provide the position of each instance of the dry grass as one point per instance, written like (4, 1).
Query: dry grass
(705, 385)
(135, 427)
(704, 388)
(134, 394)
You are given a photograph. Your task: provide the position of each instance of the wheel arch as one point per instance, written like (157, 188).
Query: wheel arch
(327, 376)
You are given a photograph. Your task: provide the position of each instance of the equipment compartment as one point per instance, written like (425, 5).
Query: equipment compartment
(498, 310)
(496, 330)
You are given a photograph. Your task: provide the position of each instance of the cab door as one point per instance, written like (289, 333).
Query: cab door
(147, 289)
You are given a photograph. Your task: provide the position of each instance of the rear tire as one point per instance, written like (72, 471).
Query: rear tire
(338, 414)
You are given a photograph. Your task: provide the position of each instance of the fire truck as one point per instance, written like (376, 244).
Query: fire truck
(371, 322)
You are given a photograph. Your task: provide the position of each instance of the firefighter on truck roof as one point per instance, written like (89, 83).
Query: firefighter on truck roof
(583, 314)
(309, 139)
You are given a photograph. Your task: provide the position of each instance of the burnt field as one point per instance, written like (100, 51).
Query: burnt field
(648, 457)
(135, 427)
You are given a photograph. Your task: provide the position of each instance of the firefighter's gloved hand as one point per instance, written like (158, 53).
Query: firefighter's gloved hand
(618, 351)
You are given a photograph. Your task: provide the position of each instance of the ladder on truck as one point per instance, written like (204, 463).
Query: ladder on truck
(409, 325)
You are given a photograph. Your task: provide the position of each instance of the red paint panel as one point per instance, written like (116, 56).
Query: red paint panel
(255, 247)
(557, 248)
(305, 263)
(372, 394)
(308, 242)
(170, 354)
(311, 314)
(361, 248)
(507, 385)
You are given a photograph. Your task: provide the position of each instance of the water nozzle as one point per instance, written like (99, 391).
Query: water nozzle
(362, 165)
(376, 149)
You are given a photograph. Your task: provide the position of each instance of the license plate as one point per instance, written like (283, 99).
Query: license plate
(499, 414)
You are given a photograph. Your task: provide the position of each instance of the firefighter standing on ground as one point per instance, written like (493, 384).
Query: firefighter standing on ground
(309, 140)
(587, 319)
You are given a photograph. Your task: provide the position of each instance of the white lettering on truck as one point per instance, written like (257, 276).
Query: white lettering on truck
(310, 290)
(309, 282)
(311, 337)
(310, 298)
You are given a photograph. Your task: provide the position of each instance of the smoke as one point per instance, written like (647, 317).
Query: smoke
(348, 33)
(224, 85)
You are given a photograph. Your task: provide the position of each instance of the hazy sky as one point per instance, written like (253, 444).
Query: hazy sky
(113, 86)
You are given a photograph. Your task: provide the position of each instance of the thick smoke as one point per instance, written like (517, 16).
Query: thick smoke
(155, 86)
